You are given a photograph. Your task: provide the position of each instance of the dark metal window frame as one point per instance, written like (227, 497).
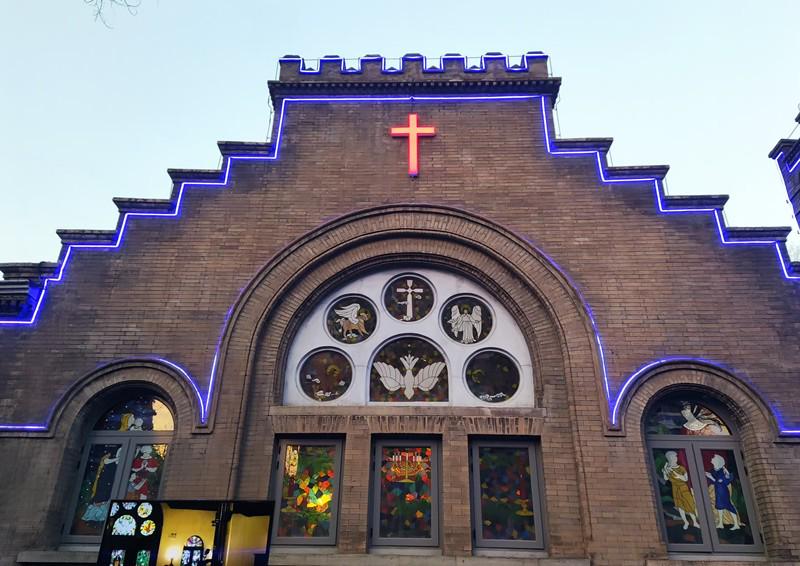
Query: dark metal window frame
(536, 491)
(128, 442)
(375, 490)
(692, 445)
(278, 491)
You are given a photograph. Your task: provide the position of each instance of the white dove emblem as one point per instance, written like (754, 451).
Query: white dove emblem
(392, 379)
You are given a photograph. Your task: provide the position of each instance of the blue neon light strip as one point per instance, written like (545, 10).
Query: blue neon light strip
(204, 402)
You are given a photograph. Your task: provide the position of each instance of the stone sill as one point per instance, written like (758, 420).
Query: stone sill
(712, 560)
(279, 558)
(57, 557)
(401, 410)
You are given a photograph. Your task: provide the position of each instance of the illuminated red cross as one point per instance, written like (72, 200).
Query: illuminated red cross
(412, 131)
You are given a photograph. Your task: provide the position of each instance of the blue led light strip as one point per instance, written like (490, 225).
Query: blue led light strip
(204, 402)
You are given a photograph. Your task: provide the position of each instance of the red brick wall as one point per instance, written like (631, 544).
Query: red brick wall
(657, 284)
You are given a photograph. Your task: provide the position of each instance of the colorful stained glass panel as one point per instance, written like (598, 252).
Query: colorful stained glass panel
(351, 319)
(408, 369)
(143, 558)
(677, 415)
(326, 375)
(677, 490)
(506, 494)
(117, 558)
(405, 492)
(492, 376)
(466, 319)
(408, 298)
(96, 489)
(144, 477)
(728, 508)
(307, 491)
(142, 413)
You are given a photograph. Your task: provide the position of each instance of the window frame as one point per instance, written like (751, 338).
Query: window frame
(277, 483)
(692, 445)
(536, 490)
(128, 442)
(375, 491)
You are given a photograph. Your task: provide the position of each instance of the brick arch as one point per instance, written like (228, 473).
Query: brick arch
(771, 465)
(451, 238)
(548, 308)
(748, 409)
(101, 388)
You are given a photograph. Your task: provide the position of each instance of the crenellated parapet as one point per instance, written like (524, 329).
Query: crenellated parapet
(414, 67)
(414, 73)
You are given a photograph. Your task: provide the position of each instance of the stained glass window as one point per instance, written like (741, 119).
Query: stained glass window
(96, 489)
(351, 319)
(145, 471)
(686, 417)
(326, 375)
(727, 504)
(406, 493)
(467, 319)
(704, 499)
(117, 558)
(125, 458)
(143, 558)
(192, 554)
(492, 376)
(676, 489)
(141, 413)
(506, 502)
(408, 369)
(308, 489)
(134, 533)
(408, 298)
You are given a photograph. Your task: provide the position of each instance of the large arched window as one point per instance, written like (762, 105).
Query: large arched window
(700, 478)
(123, 458)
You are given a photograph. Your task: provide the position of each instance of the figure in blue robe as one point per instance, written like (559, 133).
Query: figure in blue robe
(721, 478)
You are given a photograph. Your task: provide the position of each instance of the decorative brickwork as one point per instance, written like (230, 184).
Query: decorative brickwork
(198, 297)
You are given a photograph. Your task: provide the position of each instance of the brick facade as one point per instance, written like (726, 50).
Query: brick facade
(221, 288)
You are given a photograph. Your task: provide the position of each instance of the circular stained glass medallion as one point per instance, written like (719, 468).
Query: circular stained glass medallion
(125, 526)
(408, 369)
(408, 297)
(351, 319)
(325, 375)
(492, 376)
(144, 510)
(466, 319)
(148, 528)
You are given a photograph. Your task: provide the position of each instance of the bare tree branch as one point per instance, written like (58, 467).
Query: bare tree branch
(100, 7)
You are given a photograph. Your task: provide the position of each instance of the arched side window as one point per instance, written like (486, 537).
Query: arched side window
(697, 466)
(192, 554)
(123, 458)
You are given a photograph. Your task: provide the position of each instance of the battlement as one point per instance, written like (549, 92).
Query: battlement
(414, 67)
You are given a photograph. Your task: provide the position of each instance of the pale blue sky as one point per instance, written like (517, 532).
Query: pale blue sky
(88, 113)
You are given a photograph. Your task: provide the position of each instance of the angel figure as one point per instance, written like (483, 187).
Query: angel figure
(466, 324)
(425, 379)
(351, 321)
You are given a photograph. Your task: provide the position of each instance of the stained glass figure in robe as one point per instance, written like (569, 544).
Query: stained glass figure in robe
(96, 489)
(726, 497)
(686, 418)
(676, 488)
(145, 473)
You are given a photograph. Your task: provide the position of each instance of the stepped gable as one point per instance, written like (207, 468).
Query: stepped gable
(495, 74)
(786, 154)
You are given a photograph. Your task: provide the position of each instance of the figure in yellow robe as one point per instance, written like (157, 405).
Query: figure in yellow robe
(682, 494)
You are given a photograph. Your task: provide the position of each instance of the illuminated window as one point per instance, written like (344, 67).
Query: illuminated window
(506, 505)
(124, 457)
(405, 493)
(307, 491)
(697, 468)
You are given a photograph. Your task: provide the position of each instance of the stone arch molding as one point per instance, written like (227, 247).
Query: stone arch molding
(548, 307)
(750, 411)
